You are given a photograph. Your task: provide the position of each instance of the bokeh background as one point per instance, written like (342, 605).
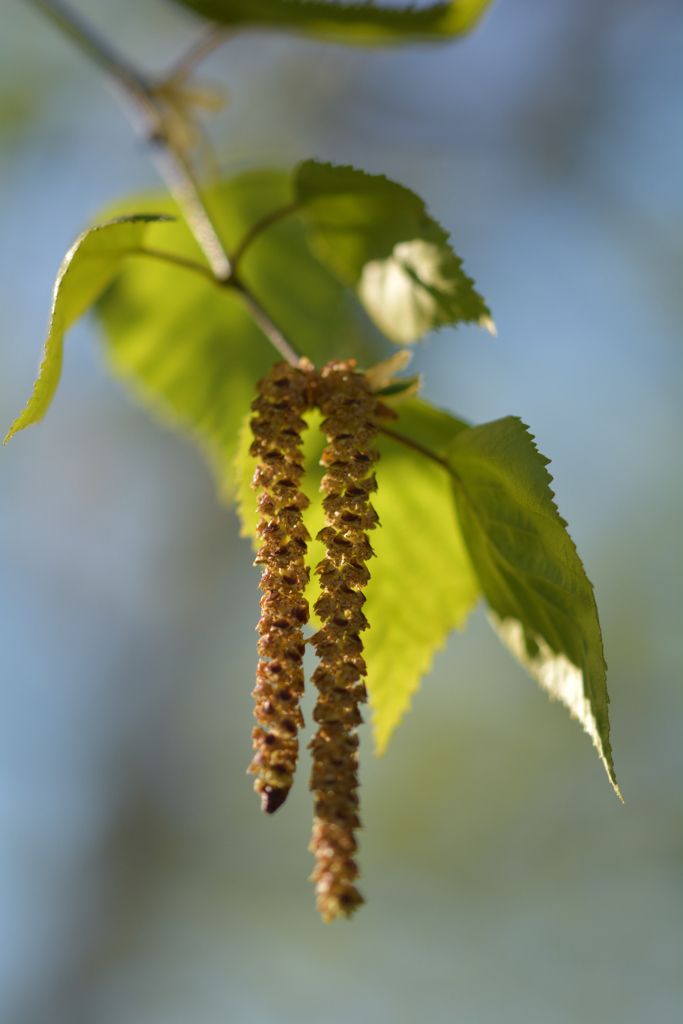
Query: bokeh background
(139, 883)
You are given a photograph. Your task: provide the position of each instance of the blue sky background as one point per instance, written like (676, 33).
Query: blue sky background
(139, 884)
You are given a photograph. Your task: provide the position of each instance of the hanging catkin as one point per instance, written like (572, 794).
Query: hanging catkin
(350, 412)
(282, 398)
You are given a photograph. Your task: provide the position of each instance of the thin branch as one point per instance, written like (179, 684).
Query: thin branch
(272, 333)
(92, 44)
(261, 225)
(180, 180)
(148, 117)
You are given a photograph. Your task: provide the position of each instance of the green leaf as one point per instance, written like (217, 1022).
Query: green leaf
(422, 584)
(533, 580)
(86, 270)
(189, 349)
(368, 24)
(376, 236)
(244, 466)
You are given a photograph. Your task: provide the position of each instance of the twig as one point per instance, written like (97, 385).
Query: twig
(148, 118)
(175, 169)
(272, 333)
(93, 45)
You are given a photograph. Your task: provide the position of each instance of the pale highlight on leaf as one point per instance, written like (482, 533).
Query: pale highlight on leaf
(400, 293)
(487, 324)
(556, 674)
(377, 237)
(90, 264)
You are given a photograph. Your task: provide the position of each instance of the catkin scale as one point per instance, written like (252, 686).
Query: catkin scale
(283, 396)
(351, 413)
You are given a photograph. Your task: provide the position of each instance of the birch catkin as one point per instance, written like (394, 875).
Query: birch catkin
(282, 398)
(350, 413)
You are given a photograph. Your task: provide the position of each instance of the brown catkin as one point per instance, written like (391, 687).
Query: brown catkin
(350, 412)
(283, 396)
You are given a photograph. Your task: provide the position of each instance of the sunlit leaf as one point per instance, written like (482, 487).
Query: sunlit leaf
(190, 350)
(422, 584)
(244, 467)
(376, 236)
(369, 24)
(530, 573)
(86, 270)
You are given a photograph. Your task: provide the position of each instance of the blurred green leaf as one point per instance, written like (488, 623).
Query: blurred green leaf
(422, 584)
(376, 236)
(189, 349)
(368, 24)
(86, 270)
(244, 466)
(529, 570)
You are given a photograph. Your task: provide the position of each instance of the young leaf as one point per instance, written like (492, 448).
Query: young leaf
(376, 236)
(529, 570)
(369, 24)
(422, 584)
(189, 349)
(86, 270)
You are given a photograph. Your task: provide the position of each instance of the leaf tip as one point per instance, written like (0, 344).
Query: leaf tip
(486, 322)
(18, 425)
(381, 374)
(381, 739)
(562, 680)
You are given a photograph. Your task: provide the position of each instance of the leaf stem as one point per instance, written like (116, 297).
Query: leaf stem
(261, 225)
(179, 261)
(416, 446)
